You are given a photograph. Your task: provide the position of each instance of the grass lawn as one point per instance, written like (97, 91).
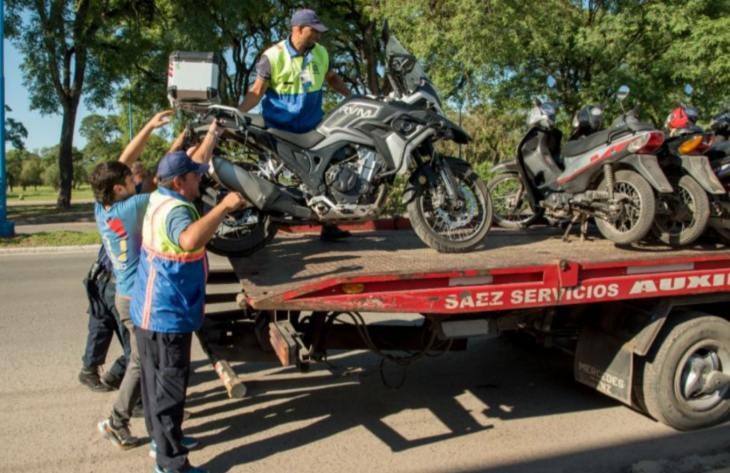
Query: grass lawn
(57, 238)
(46, 194)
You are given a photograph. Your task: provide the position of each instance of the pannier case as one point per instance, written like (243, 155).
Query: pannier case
(192, 78)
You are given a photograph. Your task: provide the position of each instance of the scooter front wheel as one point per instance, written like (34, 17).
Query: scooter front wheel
(509, 200)
(636, 216)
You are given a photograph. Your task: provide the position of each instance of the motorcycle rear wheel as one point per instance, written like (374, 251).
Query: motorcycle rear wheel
(509, 201)
(234, 240)
(689, 212)
(428, 215)
(637, 216)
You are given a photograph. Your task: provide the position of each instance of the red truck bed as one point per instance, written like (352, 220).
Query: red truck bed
(393, 271)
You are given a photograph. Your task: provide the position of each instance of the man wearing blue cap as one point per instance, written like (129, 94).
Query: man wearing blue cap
(289, 79)
(168, 299)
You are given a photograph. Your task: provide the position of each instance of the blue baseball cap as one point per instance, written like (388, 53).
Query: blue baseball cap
(178, 163)
(307, 17)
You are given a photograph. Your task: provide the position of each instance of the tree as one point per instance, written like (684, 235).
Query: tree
(103, 138)
(69, 50)
(31, 172)
(15, 132)
(13, 166)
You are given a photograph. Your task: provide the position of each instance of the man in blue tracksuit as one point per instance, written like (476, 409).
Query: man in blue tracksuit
(168, 299)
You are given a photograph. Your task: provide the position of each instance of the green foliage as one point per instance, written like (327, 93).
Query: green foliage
(15, 132)
(508, 50)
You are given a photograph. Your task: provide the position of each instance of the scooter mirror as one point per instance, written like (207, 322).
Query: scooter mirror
(688, 90)
(623, 92)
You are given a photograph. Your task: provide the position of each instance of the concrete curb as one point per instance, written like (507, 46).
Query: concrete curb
(35, 250)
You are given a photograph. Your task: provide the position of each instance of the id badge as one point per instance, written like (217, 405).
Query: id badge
(306, 78)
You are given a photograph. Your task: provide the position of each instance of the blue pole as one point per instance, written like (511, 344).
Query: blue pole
(7, 228)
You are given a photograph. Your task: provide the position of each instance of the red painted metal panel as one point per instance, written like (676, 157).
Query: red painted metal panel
(469, 291)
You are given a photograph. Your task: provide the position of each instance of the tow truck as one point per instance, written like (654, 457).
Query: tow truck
(647, 325)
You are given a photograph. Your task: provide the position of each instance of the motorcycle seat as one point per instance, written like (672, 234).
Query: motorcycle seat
(584, 144)
(303, 140)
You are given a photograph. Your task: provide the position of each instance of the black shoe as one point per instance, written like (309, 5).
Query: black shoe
(89, 377)
(119, 436)
(332, 233)
(112, 381)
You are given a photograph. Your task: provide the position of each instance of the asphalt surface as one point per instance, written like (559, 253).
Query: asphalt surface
(494, 408)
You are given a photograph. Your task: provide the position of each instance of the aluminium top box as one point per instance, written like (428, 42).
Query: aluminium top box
(192, 78)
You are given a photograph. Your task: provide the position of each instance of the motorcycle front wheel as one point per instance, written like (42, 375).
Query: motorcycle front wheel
(451, 226)
(636, 216)
(683, 214)
(509, 200)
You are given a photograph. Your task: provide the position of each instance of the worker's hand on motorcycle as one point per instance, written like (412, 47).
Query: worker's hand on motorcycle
(215, 129)
(233, 201)
(160, 119)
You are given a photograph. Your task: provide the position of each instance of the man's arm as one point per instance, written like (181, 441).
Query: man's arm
(254, 94)
(198, 233)
(135, 147)
(204, 152)
(336, 82)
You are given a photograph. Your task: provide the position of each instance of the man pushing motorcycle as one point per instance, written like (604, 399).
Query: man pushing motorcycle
(289, 79)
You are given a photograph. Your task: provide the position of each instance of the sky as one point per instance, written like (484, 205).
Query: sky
(43, 130)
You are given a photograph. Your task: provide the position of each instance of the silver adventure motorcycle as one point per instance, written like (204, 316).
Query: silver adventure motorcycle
(343, 170)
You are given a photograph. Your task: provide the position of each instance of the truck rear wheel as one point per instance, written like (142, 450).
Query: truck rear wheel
(685, 380)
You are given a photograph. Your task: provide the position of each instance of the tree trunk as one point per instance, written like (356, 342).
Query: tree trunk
(65, 155)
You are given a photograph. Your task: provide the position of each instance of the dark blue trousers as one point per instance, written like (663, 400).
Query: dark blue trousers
(165, 360)
(104, 322)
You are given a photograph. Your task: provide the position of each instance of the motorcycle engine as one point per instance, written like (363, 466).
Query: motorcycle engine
(350, 178)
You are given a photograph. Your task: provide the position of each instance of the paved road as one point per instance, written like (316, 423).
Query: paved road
(493, 408)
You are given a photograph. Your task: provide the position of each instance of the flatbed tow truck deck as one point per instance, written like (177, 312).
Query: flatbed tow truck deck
(648, 325)
(391, 271)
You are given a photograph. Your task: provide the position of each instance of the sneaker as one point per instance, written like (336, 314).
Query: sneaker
(187, 469)
(111, 380)
(121, 437)
(187, 442)
(332, 233)
(89, 377)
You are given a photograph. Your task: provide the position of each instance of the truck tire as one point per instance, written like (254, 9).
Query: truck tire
(637, 217)
(689, 212)
(670, 379)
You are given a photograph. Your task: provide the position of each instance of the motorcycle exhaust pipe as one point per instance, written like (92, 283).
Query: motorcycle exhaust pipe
(263, 194)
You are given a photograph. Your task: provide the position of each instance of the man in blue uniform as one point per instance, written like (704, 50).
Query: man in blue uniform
(168, 299)
(289, 77)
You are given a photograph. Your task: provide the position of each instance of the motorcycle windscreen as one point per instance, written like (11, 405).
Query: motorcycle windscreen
(416, 77)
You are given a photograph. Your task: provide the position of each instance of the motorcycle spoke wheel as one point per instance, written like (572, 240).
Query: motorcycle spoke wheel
(686, 213)
(452, 226)
(636, 215)
(509, 199)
